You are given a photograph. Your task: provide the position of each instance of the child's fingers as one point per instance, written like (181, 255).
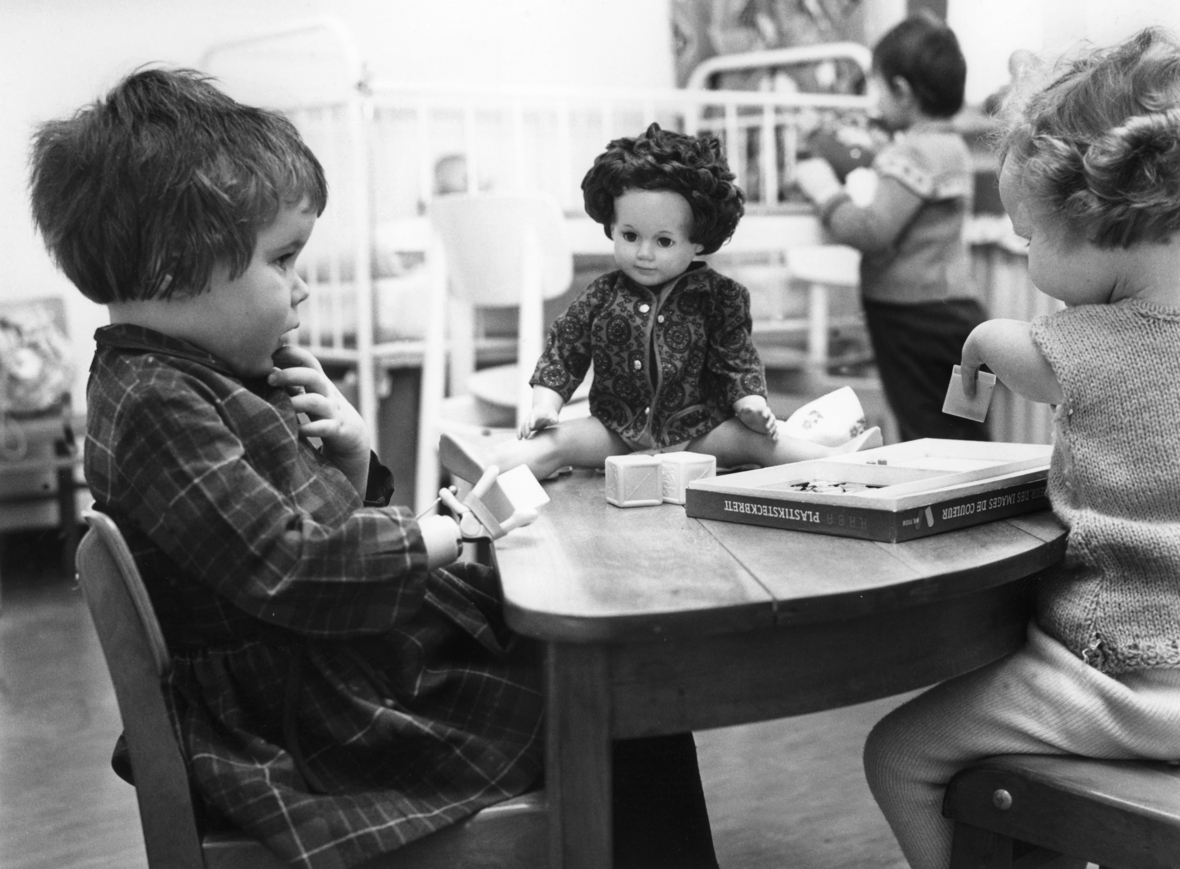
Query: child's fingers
(320, 428)
(519, 519)
(448, 497)
(967, 375)
(314, 404)
(292, 355)
(310, 379)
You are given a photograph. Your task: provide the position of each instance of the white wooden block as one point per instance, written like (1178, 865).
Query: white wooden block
(634, 481)
(677, 470)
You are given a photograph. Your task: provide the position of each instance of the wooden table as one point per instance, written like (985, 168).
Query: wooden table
(657, 623)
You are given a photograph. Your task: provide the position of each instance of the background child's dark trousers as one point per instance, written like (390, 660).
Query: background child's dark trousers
(916, 347)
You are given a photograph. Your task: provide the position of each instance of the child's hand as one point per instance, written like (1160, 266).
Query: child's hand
(1008, 349)
(756, 415)
(817, 180)
(331, 418)
(471, 522)
(546, 409)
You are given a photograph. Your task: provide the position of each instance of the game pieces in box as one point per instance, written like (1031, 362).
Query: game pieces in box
(893, 493)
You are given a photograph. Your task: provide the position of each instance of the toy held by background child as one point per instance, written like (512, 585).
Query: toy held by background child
(675, 366)
(1091, 177)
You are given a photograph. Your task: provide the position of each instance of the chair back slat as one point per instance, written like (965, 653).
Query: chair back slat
(137, 660)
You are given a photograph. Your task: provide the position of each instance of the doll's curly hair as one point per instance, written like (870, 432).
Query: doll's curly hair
(1099, 145)
(693, 166)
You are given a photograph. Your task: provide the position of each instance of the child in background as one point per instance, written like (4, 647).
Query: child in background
(914, 273)
(675, 366)
(1091, 177)
(342, 685)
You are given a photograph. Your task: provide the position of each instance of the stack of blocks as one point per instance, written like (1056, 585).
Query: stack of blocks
(641, 480)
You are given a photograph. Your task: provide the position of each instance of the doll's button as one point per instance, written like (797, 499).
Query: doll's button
(644, 308)
(660, 318)
(638, 365)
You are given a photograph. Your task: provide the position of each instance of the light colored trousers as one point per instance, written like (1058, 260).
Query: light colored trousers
(1040, 700)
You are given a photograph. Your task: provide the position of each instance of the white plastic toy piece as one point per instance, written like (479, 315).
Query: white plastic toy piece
(513, 499)
(634, 480)
(677, 470)
(831, 420)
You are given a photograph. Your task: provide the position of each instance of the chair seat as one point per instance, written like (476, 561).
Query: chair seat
(507, 834)
(1117, 813)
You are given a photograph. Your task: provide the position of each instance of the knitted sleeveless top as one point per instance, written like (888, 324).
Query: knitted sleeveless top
(1114, 480)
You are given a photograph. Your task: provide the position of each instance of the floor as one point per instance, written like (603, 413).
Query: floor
(781, 794)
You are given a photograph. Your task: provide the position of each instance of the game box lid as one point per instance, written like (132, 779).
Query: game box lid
(892, 493)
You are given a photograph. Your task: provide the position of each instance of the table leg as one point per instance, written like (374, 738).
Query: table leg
(578, 757)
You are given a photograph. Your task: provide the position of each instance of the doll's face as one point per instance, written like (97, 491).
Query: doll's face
(650, 234)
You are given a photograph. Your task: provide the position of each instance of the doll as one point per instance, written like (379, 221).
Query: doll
(675, 367)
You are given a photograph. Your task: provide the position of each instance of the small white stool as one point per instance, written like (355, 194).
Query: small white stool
(824, 268)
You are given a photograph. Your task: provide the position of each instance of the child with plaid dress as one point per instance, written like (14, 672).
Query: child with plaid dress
(341, 685)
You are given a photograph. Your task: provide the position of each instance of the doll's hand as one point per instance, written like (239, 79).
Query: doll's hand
(331, 418)
(817, 180)
(546, 408)
(756, 415)
(539, 418)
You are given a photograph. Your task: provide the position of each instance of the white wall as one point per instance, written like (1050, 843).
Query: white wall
(56, 55)
(990, 30)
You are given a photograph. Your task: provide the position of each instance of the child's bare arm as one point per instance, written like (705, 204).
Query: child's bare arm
(1007, 348)
(547, 405)
(331, 418)
(756, 415)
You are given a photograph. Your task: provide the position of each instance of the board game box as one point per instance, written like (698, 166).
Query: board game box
(892, 493)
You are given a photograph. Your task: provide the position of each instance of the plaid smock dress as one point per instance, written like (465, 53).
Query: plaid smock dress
(668, 365)
(335, 697)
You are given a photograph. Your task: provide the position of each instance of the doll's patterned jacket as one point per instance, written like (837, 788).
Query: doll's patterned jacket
(668, 366)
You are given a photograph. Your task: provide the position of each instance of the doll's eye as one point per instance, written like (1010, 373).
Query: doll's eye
(629, 236)
(664, 241)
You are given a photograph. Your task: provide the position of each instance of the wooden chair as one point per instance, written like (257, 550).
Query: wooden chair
(1044, 810)
(510, 834)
